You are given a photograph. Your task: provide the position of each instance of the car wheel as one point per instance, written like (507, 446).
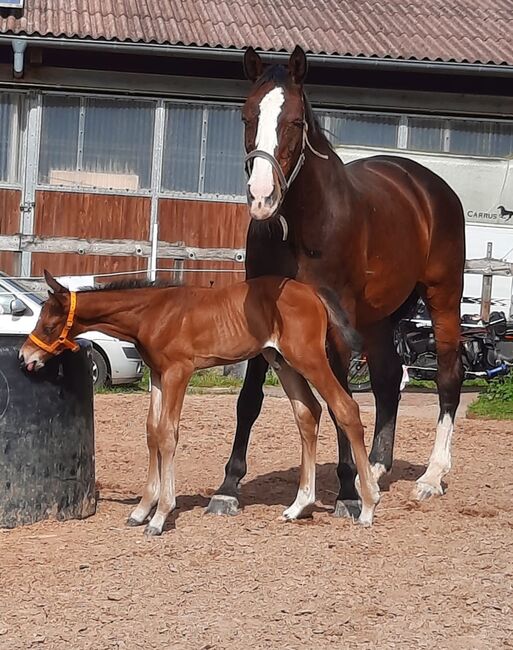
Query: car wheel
(99, 369)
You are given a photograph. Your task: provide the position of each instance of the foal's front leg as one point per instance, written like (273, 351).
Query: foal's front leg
(173, 385)
(151, 491)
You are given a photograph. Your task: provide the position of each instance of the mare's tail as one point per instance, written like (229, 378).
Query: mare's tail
(338, 321)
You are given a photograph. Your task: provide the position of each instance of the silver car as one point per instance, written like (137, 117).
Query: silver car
(114, 361)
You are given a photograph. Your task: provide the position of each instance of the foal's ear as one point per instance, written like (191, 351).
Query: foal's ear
(55, 286)
(298, 65)
(253, 66)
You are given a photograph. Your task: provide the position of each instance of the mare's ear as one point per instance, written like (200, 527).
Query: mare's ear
(59, 291)
(253, 65)
(298, 65)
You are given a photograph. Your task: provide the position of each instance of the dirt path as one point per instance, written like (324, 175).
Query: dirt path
(436, 575)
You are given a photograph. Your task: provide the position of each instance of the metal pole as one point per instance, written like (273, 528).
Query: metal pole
(486, 291)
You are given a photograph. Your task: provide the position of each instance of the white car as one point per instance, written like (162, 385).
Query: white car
(114, 361)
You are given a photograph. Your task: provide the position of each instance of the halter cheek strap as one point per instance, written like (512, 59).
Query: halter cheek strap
(63, 341)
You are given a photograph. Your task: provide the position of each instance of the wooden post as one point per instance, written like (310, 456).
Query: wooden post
(486, 291)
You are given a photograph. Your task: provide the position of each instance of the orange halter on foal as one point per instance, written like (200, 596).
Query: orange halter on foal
(62, 342)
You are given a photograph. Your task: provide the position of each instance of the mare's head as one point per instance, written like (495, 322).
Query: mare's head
(53, 328)
(275, 130)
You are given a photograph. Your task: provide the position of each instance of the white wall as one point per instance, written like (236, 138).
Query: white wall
(482, 185)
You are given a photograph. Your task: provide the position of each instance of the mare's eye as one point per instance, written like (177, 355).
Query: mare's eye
(48, 329)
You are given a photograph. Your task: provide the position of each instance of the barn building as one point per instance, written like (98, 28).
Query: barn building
(119, 119)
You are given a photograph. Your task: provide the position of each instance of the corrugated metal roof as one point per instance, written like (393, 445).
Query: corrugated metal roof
(463, 30)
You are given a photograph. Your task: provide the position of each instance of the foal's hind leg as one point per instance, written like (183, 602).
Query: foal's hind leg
(249, 404)
(151, 490)
(444, 306)
(314, 366)
(307, 414)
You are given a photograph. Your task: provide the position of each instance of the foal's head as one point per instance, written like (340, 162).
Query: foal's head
(274, 118)
(51, 334)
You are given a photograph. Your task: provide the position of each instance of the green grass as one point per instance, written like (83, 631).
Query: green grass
(496, 402)
(211, 378)
(491, 409)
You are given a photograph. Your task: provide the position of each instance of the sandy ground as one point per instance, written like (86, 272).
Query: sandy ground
(434, 575)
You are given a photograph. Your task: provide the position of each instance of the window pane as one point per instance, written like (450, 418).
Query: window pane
(367, 130)
(182, 147)
(425, 134)
(118, 143)
(59, 139)
(481, 138)
(9, 136)
(224, 165)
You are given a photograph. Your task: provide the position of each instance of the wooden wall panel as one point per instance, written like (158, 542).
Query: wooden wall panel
(99, 216)
(206, 224)
(9, 225)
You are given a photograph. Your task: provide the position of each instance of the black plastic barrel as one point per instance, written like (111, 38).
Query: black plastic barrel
(46, 437)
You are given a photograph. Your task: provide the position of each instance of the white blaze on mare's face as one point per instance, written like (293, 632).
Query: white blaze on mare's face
(261, 183)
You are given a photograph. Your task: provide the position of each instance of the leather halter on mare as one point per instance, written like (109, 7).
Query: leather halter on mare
(63, 341)
(285, 183)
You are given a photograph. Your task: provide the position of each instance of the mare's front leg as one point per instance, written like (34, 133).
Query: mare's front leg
(173, 385)
(307, 414)
(225, 501)
(152, 488)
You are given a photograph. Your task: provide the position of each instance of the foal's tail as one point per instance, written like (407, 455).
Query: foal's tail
(338, 319)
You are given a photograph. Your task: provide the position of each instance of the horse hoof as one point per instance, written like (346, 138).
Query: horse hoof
(221, 504)
(133, 522)
(348, 509)
(152, 531)
(365, 522)
(424, 491)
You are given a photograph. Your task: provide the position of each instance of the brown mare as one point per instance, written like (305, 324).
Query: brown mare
(178, 330)
(376, 231)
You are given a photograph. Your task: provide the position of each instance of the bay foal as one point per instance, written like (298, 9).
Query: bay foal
(178, 330)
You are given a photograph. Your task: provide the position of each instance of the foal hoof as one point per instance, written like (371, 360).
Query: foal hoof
(151, 531)
(133, 522)
(424, 491)
(348, 509)
(221, 504)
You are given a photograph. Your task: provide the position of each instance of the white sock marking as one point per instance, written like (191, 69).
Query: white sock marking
(430, 483)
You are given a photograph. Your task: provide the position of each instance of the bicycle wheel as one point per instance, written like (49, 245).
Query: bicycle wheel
(358, 377)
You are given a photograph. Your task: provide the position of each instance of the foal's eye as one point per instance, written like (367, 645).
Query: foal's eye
(48, 329)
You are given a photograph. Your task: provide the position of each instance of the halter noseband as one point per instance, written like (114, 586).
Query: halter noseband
(63, 341)
(285, 183)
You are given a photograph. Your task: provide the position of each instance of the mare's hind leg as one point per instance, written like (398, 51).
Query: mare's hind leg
(348, 500)
(151, 490)
(444, 307)
(307, 414)
(385, 373)
(249, 404)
